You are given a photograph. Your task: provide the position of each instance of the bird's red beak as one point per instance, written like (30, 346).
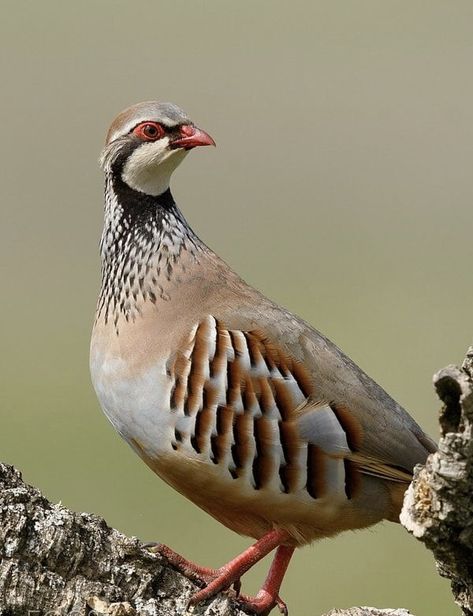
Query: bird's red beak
(191, 137)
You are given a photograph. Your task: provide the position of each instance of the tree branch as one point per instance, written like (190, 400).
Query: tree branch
(438, 507)
(55, 561)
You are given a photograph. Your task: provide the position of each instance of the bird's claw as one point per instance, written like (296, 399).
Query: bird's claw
(237, 587)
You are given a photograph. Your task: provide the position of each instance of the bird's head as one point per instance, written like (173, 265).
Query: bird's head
(147, 141)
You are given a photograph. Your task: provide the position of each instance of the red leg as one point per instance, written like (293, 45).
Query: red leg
(229, 574)
(232, 571)
(268, 596)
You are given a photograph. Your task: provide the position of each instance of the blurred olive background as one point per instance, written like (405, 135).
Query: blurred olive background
(341, 187)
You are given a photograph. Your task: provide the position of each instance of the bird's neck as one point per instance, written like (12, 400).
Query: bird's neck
(143, 240)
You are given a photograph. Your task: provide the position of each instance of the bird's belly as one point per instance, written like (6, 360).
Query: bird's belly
(252, 512)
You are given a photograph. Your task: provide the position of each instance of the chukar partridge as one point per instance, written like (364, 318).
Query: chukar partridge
(236, 403)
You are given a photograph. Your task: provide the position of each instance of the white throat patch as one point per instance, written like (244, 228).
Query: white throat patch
(150, 167)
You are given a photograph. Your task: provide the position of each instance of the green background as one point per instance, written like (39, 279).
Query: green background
(341, 187)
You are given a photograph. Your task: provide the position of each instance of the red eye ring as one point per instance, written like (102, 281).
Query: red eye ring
(149, 131)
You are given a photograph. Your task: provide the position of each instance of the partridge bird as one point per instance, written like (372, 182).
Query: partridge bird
(236, 403)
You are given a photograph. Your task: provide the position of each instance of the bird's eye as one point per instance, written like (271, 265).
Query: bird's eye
(149, 131)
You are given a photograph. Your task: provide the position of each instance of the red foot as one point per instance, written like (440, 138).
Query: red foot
(216, 580)
(263, 603)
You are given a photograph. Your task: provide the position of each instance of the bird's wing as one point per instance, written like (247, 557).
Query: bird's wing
(386, 432)
(247, 403)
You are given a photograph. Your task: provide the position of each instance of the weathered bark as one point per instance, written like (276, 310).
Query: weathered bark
(55, 561)
(438, 508)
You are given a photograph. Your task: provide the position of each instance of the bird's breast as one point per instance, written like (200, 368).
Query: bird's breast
(130, 376)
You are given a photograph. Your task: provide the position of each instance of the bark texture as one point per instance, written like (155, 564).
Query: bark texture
(438, 507)
(57, 562)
